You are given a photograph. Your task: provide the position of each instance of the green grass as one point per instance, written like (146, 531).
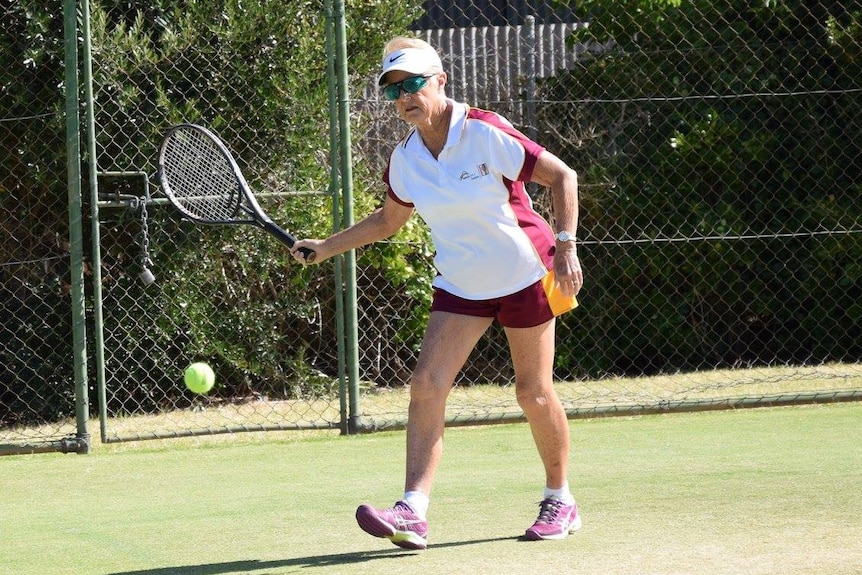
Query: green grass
(764, 491)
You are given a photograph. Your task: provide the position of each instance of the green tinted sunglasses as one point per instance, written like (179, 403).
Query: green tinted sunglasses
(410, 85)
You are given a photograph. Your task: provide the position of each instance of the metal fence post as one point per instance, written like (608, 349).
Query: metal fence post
(334, 191)
(76, 241)
(351, 316)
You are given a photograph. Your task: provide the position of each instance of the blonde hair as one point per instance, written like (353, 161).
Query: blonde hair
(401, 42)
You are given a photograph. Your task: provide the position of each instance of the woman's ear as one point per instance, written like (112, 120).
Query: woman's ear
(441, 79)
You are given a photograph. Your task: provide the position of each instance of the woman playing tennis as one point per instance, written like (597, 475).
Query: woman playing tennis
(463, 170)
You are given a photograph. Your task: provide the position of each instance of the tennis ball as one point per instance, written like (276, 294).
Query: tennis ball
(199, 377)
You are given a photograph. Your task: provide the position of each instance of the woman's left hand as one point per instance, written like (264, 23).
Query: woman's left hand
(567, 269)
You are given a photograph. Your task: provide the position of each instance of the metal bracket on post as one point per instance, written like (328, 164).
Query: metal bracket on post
(141, 203)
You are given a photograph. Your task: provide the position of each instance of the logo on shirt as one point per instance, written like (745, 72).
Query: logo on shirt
(481, 170)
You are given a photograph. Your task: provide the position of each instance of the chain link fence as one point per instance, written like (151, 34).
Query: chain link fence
(37, 391)
(720, 210)
(174, 293)
(718, 155)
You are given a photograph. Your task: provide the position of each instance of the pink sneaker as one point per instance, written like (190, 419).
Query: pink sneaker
(399, 524)
(556, 520)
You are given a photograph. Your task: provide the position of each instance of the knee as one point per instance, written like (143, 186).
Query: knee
(426, 386)
(534, 396)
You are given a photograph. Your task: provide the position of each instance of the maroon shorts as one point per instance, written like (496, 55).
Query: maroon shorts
(532, 306)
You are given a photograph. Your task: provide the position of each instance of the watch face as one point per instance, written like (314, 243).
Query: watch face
(565, 236)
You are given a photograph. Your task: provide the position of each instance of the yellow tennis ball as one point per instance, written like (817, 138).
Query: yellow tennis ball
(199, 377)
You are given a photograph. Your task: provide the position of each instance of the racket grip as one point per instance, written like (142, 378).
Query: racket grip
(308, 255)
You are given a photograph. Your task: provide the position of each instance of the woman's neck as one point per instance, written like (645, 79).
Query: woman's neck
(436, 131)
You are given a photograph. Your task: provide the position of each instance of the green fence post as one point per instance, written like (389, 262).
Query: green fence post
(350, 315)
(95, 233)
(81, 444)
(334, 187)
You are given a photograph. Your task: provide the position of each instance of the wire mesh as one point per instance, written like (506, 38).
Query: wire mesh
(718, 155)
(37, 391)
(174, 293)
(720, 216)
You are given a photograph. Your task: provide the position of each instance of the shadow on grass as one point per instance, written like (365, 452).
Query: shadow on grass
(253, 565)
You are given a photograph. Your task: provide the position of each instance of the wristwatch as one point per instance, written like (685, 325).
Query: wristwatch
(565, 236)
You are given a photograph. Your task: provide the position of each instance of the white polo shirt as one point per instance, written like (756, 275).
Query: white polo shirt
(489, 240)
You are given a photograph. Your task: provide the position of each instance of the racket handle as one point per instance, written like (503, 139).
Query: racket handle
(308, 254)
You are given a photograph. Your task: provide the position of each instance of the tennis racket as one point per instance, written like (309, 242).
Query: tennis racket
(202, 180)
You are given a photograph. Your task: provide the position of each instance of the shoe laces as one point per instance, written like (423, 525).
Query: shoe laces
(404, 515)
(402, 507)
(549, 509)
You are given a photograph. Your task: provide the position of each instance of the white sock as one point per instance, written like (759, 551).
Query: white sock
(563, 494)
(418, 501)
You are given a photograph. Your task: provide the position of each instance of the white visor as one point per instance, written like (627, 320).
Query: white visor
(413, 60)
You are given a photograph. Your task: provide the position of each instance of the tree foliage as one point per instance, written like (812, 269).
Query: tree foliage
(34, 302)
(254, 71)
(721, 120)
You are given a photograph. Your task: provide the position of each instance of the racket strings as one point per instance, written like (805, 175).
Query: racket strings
(200, 177)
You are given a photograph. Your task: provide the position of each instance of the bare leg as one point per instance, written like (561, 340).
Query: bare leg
(449, 339)
(533, 357)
